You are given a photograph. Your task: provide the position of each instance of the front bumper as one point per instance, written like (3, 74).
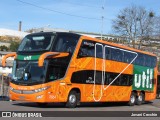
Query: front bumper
(33, 94)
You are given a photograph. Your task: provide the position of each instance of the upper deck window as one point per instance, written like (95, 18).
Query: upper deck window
(41, 42)
(65, 43)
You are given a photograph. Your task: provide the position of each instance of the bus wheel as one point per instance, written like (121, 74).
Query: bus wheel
(140, 99)
(72, 99)
(132, 99)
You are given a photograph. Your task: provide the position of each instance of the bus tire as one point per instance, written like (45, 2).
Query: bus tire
(72, 99)
(132, 100)
(140, 99)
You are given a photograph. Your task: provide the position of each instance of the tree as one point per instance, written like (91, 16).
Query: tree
(3, 48)
(14, 46)
(157, 26)
(135, 22)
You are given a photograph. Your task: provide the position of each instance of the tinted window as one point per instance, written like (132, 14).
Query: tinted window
(107, 53)
(98, 78)
(124, 80)
(87, 49)
(57, 68)
(87, 77)
(145, 60)
(140, 59)
(116, 54)
(39, 42)
(65, 43)
(99, 51)
(109, 77)
(153, 61)
(128, 56)
(117, 80)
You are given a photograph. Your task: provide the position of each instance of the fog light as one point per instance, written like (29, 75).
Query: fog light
(39, 96)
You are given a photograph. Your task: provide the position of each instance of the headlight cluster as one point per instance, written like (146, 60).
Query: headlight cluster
(42, 89)
(29, 91)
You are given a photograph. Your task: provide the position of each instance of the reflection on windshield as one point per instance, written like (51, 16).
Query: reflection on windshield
(36, 43)
(28, 72)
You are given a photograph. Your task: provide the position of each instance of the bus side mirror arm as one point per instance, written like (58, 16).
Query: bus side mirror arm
(50, 55)
(7, 56)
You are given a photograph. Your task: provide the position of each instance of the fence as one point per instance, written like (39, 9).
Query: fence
(4, 87)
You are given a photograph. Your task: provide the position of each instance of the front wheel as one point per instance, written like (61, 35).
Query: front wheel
(72, 99)
(132, 99)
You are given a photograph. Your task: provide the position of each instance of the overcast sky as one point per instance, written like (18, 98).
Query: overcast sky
(81, 15)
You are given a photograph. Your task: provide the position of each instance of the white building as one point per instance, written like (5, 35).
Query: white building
(15, 33)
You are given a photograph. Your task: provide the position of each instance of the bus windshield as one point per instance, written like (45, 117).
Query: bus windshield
(33, 43)
(28, 72)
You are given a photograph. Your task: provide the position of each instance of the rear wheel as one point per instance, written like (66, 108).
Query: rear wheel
(72, 99)
(140, 99)
(132, 99)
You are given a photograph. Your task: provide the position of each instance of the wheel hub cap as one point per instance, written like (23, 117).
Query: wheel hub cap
(139, 98)
(72, 99)
(132, 99)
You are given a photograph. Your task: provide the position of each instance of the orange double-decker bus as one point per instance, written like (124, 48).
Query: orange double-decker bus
(71, 68)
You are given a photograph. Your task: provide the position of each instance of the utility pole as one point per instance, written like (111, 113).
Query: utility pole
(102, 19)
(20, 26)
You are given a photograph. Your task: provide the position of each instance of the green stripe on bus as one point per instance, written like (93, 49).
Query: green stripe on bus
(143, 78)
(28, 57)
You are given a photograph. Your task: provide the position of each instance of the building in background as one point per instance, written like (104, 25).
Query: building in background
(12, 33)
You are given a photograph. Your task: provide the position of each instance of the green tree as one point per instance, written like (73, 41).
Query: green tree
(3, 48)
(14, 46)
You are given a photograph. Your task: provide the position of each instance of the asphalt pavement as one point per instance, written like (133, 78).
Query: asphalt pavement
(91, 109)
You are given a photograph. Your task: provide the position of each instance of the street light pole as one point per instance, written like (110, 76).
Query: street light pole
(102, 19)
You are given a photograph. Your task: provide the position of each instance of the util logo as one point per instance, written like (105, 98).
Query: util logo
(144, 80)
(28, 58)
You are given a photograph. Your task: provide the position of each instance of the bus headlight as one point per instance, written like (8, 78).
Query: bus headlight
(42, 89)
